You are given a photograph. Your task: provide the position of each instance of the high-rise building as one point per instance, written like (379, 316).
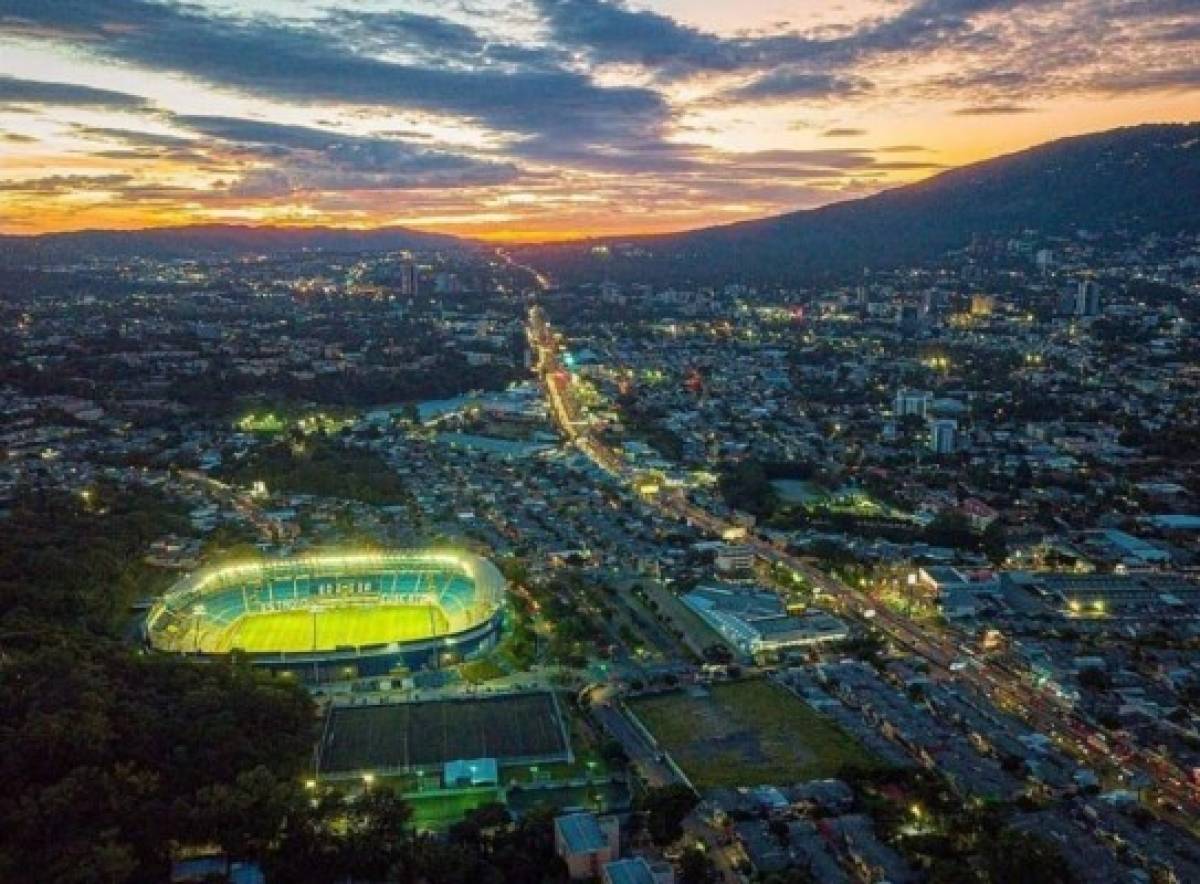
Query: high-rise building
(943, 435)
(913, 402)
(408, 279)
(1087, 298)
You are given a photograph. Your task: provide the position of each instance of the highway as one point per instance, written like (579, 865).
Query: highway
(1011, 691)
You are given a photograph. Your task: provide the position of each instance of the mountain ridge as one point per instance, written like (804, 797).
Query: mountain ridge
(229, 240)
(1143, 178)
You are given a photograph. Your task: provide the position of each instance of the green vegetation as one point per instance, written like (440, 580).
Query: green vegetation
(439, 810)
(320, 466)
(111, 755)
(665, 808)
(746, 486)
(479, 671)
(747, 733)
(272, 421)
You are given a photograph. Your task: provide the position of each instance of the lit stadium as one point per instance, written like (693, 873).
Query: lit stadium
(336, 614)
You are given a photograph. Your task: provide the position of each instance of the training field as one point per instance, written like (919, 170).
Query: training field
(333, 627)
(513, 728)
(747, 733)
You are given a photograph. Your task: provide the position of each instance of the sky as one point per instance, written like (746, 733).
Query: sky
(548, 119)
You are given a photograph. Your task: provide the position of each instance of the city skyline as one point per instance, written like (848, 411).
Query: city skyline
(542, 119)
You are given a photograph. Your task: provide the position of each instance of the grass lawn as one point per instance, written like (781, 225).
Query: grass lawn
(747, 733)
(439, 811)
(335, 627)
(478, 671)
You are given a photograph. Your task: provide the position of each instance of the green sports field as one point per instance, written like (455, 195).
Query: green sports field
(332, 628)
(747, 733)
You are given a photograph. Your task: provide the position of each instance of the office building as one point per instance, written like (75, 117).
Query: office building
(914, 402)
(408, 279)
(943, 436)
(1087, 298)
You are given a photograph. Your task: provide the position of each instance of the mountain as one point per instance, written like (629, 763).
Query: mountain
(1142, 178)
(216, 240)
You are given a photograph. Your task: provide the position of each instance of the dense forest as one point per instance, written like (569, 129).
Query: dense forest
(115, 757)
(320, 466)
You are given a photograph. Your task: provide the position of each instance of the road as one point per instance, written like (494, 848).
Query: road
(1086, 740)
(644, 756)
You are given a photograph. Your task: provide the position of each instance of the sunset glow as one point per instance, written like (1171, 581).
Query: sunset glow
(547, 119)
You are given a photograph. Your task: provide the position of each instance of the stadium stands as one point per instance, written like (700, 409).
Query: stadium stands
(333, 604)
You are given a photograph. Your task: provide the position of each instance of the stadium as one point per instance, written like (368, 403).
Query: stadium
(336, 615)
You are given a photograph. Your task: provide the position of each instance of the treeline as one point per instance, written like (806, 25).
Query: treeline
(219, 390)
(112, 755)
(746, 484)
(320, 466)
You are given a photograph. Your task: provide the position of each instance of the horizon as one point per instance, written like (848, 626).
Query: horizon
(561, 238)
(546, 120)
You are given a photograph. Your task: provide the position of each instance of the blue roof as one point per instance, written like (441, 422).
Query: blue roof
(581, 832)
(628, 871)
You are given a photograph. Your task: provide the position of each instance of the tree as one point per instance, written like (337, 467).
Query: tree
(695, 867)
(950, 529)
(665, 808)
(1019, 856)
(377, 833)
(1093, 678)
(994, 543)
(111, 756)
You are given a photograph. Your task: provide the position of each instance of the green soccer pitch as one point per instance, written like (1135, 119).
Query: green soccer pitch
(326, 628)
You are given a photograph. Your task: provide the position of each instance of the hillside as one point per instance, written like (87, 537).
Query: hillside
(1144, 178)
(215, 240)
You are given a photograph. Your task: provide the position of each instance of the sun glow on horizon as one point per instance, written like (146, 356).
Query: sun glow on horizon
(508, 124)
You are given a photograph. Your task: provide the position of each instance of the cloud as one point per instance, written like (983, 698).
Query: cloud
(598, 100)
(1151, 80)
(992, 110)
(303, 158)
(41, 92)
(793, 85)
(308, 63)
(65, 184)
(612, 33)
